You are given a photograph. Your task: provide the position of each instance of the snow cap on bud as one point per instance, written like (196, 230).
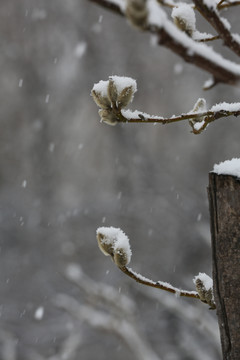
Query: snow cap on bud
(204, 287)
(112, 241)
(105, 242)
(184, 18)
(137, 13)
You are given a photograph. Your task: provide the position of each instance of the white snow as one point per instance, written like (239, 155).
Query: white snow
(211, 3)
(226, 107)
(38, 315)
(208, 83)
(206, 280)
(122, 82)
(101, 87)
(198, 36)
(24, 183)
(135, 114)
(47, 98)
(20, 83)
(236, 37)
(156, 16)
(178, 69)
(117, 238)
(226, 23)
(80, 49)
(186, 13)
(74, 271)
(228, 167)
(120, 3)
(197, 126)
(199, 48)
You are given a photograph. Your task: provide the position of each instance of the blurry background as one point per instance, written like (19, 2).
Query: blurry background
(64, 174)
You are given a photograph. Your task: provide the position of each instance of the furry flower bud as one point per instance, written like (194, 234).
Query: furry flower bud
(137, 13)
(105, 245)
(112, 91)
(204, 287)
(125, 97)
(121, 257)
(101, 101)
(200, 106)
(108, 117)
(184, 18)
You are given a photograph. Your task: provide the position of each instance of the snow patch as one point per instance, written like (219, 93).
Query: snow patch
(38, 315)
(205, 279)
(228, 167)
(122, 82)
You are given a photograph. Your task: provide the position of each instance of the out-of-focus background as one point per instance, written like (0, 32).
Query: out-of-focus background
(64, 174)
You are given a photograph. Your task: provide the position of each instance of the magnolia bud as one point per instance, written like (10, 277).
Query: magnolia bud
(121, 257)
(200, 106)
(204, 287)
(108, 117)
(137, 13)
(112, 91)
(101, 101)
(104, 245)
(184, 18)
(125, 96)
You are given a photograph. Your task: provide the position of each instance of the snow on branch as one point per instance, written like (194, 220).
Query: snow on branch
(228, 167)
(149, 16)
(221, 25)
(115, 243)
(113, 95)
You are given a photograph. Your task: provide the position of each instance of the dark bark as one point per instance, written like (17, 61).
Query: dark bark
(224, 201)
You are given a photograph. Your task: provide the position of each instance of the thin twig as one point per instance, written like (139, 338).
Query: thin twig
(228, 5)
(158, 284)
(215, 20)
(217, 37)
(207, 116)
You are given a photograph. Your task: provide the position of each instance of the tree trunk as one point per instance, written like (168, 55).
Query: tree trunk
(224, 201)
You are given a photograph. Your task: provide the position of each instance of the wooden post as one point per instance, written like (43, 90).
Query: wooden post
(224, 203)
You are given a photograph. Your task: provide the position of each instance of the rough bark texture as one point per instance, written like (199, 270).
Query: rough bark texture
(224, 201)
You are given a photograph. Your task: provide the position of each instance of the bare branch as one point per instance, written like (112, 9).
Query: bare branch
(227, 4)
(116, 93)
(158, 284)
(211, 15)
(200, 55)
(114, 243)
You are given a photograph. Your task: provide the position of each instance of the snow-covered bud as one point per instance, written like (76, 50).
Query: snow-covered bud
(101, 101)
(204, 287)
(125, 97)
(184, 18)
(121, 257)
(112, 91)
(104, 244)
(137, 13)
(200, 106)
(112, 241)
(108, 117)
